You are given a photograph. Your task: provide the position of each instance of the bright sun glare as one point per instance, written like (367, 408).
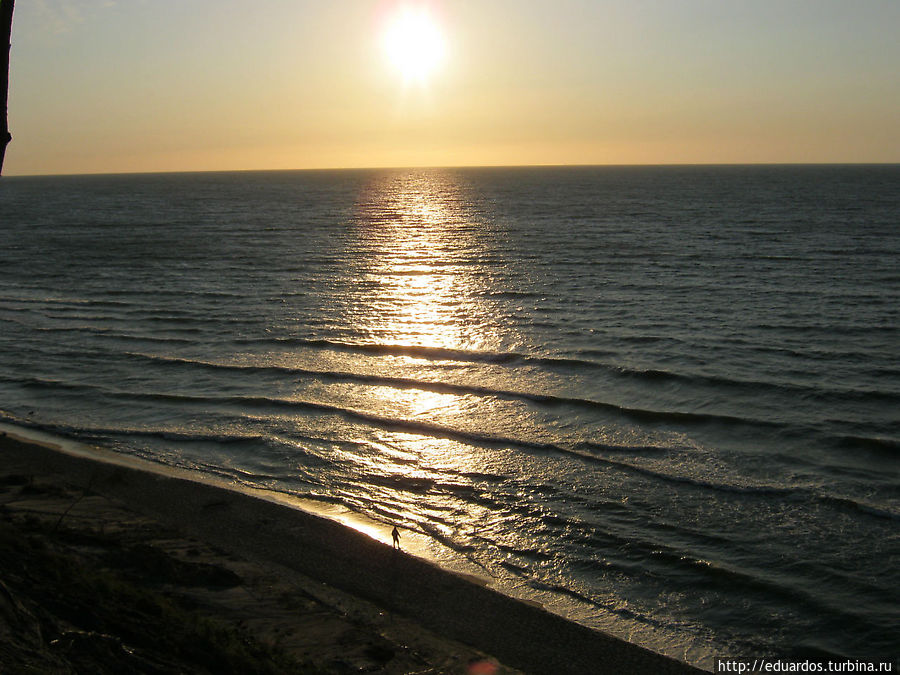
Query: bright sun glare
(413, 42)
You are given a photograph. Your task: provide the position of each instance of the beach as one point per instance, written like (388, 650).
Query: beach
(320, 596)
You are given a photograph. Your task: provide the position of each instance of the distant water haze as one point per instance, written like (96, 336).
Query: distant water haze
(660, 401)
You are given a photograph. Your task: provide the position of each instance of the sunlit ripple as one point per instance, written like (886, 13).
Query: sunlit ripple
(422, 262)
(420, 255)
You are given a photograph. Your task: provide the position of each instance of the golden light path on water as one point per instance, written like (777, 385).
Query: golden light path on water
(420, 245)
(420, 259)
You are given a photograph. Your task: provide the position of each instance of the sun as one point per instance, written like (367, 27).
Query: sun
(414, 43)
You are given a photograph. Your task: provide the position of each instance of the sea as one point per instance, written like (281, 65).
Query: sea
(663, 402)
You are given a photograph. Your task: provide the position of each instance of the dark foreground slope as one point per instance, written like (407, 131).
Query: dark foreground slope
(288, 591)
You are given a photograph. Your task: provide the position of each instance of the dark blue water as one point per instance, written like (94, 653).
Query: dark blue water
(662, 401)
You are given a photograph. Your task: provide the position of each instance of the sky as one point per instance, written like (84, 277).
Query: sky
(107, 86)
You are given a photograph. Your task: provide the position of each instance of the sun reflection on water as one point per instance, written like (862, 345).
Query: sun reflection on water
(422, 260)
(420, 253)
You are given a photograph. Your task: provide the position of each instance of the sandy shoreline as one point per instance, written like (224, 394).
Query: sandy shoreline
(436, 620)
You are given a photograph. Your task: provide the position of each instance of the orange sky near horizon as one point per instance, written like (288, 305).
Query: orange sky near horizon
(99, 86)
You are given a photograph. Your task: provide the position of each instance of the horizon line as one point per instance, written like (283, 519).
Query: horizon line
(411, 167)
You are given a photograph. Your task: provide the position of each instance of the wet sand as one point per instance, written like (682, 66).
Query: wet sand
(332, 598)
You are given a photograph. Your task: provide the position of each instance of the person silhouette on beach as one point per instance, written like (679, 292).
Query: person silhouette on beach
(395, 536)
